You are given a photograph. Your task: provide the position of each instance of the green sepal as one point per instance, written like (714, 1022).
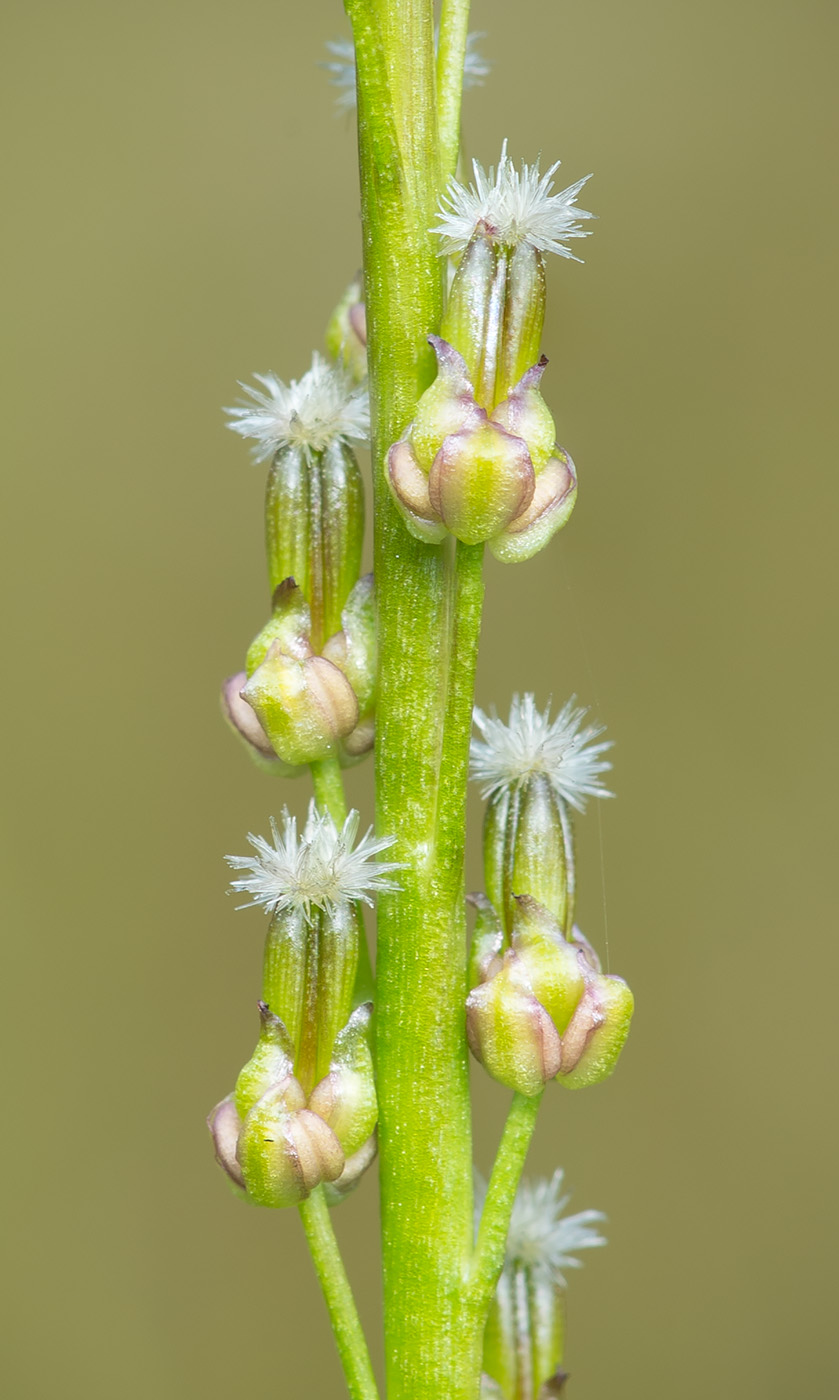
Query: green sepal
(552, 965)
(284, 971)
(285, 1150)
(290, 625)
(615, 1003)
(271, 1062)
(346, 1097)
(487, 943)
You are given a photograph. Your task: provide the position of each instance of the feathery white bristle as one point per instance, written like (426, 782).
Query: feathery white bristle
(530, 742)
(541, 1237)
(322, 407)
(317, 870)
(514, 206)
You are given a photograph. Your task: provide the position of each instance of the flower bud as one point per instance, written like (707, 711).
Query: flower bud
(474, 469)
(285, 1150)
(346, 333)
(311, 706)
(544, 1009)
(346, 1097)
(305, 707)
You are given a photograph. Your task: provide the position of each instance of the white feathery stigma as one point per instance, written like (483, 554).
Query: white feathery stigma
(530, 742)
(541, 1238)
(322, 407)
(317, 870)
(341, 68)
(515, 206)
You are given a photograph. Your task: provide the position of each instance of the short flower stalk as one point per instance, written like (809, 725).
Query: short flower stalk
(444, 377)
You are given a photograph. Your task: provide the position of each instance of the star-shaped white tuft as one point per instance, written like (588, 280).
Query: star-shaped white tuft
(563, 749)
(318, 870)
(322, 407)
(541, 1238)
(514, 206)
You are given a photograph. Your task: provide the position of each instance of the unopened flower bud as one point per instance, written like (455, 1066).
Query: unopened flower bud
(285, 1150)
(346, 1097)
(476, 471)
(305, 707)
(311, 706)
(346, 333)
(544, 1009)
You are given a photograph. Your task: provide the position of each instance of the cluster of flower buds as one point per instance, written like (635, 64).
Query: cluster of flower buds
(304, 1109)
(275, 1141)
(540, 1006)
(307, 690)
(480, 459)
(297, 705)
(525, 1332)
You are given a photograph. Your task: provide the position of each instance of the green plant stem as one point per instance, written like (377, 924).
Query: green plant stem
(329, 789)
(352, 1346)
(421, 752)
(498, 1206)
(451, 54)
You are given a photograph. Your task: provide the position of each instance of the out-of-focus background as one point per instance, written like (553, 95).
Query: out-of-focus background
(182, 210)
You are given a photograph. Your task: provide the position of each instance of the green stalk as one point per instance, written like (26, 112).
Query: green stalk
(352, 1347)
(498, 1206)
(329, 789)
(432, 1349)
(451, 53)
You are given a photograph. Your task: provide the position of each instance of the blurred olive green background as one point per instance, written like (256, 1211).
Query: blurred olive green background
(181, 210)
